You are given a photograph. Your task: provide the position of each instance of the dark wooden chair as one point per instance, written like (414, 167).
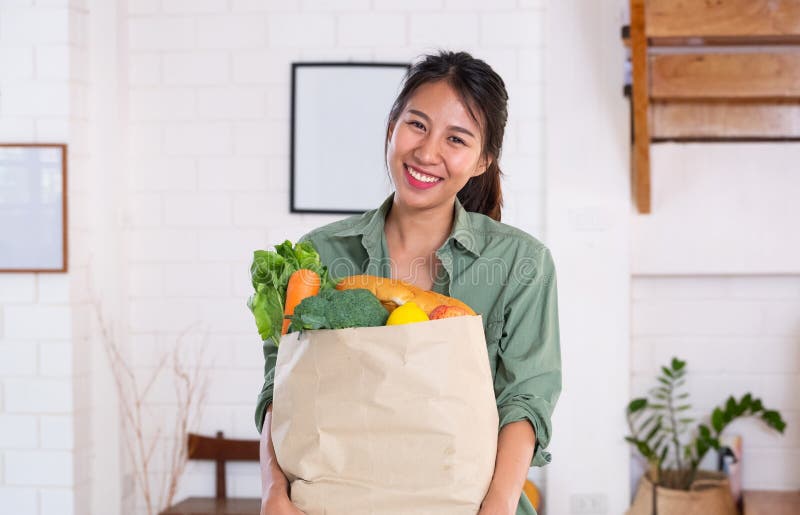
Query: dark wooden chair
(220, 450)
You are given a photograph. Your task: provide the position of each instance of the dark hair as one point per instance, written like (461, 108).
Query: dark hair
(481, 88)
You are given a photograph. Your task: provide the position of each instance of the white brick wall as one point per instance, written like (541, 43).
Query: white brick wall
(738, 334)
(36, 438)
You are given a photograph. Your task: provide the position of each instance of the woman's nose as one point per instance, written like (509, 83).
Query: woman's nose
(427, 151)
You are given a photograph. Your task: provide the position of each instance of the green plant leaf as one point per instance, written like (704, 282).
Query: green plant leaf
(667, 372)
(647, 422)
(717, 420)
(678, 364)
(644, 449)
(658, 406)
(663, 456)
(774, 420)
(653, 432)
(730, 406)
(637, 405)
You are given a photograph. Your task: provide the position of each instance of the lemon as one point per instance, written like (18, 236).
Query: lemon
(408, 313)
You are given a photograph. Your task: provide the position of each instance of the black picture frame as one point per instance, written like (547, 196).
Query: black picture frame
(294, 205)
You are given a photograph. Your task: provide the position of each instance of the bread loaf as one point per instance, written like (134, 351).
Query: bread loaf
(393, 293)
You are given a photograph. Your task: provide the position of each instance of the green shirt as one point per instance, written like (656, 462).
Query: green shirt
(503, 273)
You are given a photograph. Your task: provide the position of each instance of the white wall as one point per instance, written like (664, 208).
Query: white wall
(738, 334)
(717, 282)
(588, 227)
(37, 333)
(721, 208)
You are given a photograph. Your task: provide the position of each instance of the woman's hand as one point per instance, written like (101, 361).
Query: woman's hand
(278, 504)
(274, 484)
(496, 505)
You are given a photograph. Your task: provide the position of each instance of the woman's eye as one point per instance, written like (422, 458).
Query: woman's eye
(456, 139)
(416, 124)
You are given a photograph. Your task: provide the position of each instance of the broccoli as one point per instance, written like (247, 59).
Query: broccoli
(334, 309)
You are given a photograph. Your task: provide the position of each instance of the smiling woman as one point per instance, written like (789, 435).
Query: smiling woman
(459, 104)
(440, 230)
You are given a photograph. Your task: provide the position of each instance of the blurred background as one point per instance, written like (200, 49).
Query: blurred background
(176, 118)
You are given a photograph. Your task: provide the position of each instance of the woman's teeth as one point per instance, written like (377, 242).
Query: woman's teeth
(422, 177)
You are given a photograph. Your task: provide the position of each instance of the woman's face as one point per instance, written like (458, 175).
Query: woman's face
(434, 147)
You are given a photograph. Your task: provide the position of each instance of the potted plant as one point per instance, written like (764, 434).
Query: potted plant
(664, 435)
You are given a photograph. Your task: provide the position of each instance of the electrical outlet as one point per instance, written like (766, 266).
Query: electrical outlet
(588, 504)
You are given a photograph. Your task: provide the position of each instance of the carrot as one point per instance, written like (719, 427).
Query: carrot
(302, 283)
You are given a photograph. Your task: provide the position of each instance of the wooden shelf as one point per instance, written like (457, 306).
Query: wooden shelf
(730, 19)
(748, 91)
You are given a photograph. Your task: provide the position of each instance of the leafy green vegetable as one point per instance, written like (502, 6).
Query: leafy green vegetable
(269, 274)
(267, 307)
(333, 309)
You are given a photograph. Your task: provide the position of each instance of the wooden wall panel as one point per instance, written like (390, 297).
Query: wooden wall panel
(772, 75)
(640, 155)
(725, 120)
(722, 18)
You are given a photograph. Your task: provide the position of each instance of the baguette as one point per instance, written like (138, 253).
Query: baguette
(393, 293)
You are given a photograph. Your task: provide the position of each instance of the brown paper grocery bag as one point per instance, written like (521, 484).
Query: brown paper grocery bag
(386, 420)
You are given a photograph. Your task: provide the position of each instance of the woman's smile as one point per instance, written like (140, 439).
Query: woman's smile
(419, 179)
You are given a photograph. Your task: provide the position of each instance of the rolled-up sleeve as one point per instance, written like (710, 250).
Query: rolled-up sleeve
(528, 376)
(265, 397)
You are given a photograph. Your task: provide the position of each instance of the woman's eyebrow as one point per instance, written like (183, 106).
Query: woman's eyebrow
(452, 127)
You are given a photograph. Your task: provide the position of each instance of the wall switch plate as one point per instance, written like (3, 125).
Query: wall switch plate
(588, 504)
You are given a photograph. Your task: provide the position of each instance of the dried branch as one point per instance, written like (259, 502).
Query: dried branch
(191, 390)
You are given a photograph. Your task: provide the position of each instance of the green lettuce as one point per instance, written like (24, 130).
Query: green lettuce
(269, 274)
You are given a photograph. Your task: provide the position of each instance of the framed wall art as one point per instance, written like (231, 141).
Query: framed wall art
(338, 130)
(33, 207)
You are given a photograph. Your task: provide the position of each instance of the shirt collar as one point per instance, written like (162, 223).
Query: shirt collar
(370, 227)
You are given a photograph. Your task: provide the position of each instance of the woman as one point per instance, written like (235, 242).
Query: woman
(441, 230)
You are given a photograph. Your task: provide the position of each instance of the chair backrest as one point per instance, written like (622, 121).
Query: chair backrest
(220, 450)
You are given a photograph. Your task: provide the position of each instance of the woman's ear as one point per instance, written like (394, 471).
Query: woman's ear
(483, 164)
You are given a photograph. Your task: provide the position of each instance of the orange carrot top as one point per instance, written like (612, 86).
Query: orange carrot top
(302, 283)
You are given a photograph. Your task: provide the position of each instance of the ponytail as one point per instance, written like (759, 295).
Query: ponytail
(482, 194)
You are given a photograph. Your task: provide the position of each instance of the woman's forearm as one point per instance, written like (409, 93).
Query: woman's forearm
(515, 446)
(272, 478)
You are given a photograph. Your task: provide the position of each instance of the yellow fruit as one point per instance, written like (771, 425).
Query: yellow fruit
(408, 313)
(532, 493)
